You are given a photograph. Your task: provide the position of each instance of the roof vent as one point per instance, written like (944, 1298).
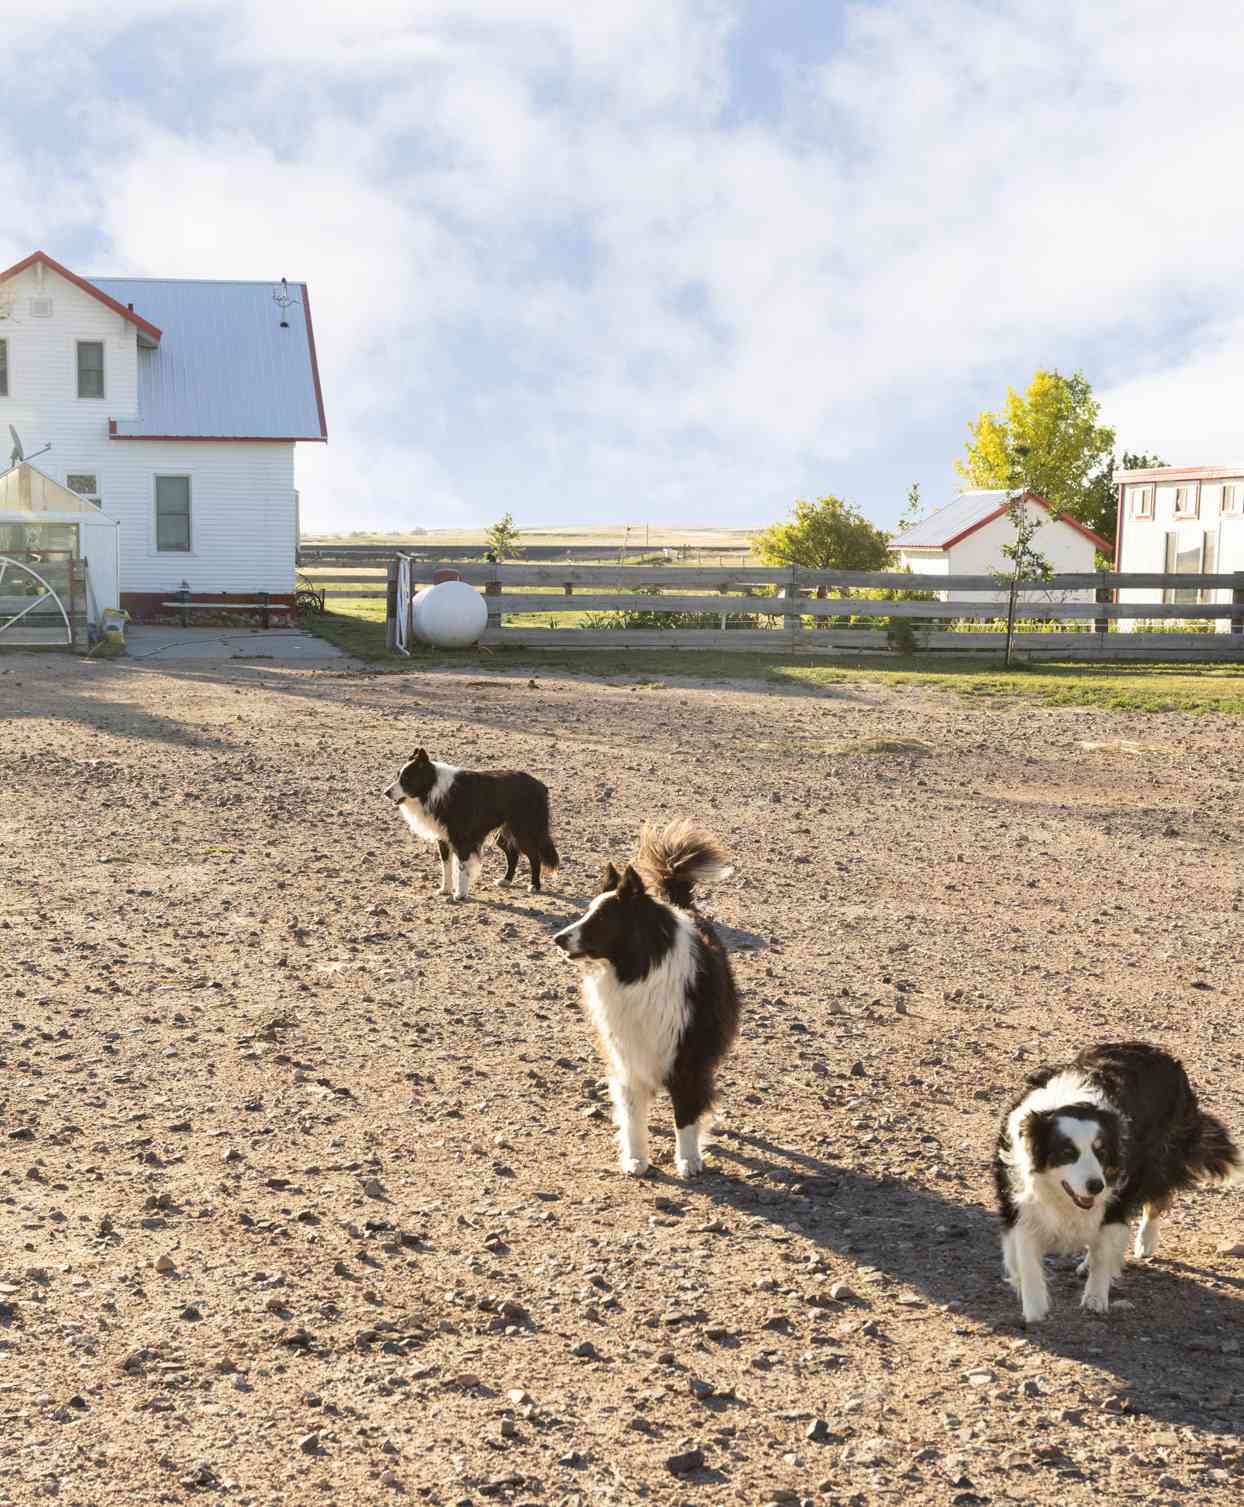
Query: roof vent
(41, 308)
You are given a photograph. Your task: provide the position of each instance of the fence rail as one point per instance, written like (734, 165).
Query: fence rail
(792, 609)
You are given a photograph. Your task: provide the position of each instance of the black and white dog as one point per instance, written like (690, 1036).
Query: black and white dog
(1116, 1133)
(658, 987)
(458, 809)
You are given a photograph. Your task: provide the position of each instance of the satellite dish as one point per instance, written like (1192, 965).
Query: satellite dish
(18, 453)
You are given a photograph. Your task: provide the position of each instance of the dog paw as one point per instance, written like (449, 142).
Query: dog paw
(1096, 1302)
(634, 1166)
(1036, 1313)
(688, 1167)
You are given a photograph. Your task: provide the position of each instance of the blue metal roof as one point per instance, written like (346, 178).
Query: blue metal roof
(935, 531)
(224, 367)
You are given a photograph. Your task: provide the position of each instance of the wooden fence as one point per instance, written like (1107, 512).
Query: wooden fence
(808, 609)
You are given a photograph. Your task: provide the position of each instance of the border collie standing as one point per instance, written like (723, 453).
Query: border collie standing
(658, 987)
(457, 809)
(1115, 1133)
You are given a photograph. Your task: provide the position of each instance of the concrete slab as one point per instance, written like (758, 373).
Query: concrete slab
(227, 645)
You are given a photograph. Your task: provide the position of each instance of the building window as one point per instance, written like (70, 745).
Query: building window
(1189, 554)
(172, 512)
(4, 368)
(90, 368)
(1187, 502)
(1233, 497)
(1142, 502)
(85, 484)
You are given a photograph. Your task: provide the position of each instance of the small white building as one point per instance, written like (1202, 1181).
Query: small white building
(1181, 520)
(965, 538)
(175, 407)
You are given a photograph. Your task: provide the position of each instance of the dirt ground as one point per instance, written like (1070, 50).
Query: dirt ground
(307, 1185)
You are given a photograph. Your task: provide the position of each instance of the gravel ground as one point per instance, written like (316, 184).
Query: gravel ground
(309, 1188)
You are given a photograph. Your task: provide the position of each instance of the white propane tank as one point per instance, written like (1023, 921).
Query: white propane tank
(449, 616)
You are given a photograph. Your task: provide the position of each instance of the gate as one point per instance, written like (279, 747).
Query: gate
(28, 598)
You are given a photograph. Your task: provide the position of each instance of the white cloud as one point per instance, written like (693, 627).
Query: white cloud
(539, 249)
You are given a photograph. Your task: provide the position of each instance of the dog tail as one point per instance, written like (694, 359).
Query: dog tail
(549, 856)
(1214, 1156)
(676, 859)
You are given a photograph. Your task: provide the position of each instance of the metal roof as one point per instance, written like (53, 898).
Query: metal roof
(224, 367)
(972, 510)
(968, 511)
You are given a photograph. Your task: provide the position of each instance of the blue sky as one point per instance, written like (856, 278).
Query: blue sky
(666, 261)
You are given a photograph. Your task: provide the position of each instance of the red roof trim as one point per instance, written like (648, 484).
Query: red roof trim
(80, 282)
(1182, 473)
(1102, 544)
(218, 439)
(315, 365)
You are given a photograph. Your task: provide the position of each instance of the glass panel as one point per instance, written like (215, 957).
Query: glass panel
(90, 369)
(1188, 563)
(84, 484)
(4, 368)
(173, 512)
(173, 532)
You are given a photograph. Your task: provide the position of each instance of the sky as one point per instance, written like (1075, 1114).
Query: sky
(664, 261)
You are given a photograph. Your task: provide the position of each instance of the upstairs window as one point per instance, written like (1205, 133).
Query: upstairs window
(1233, 497)
(4, 368)
(85, 484)
(172, 513)
(90, 368)
(1187, 502)
(1142, 502)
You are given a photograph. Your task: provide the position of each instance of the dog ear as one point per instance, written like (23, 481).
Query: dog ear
(609, 879)
(420, 756)
(1034, 1132)
(631, 884)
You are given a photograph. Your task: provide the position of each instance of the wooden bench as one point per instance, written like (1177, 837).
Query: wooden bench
(264, 607)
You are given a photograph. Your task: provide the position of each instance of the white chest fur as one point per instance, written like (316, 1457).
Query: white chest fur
(641, 1024)
(420, 816)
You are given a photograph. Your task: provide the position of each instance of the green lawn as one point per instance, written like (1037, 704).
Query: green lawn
(358, 627)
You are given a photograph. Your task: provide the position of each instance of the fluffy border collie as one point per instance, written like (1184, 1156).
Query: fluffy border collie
(658, 987)
(1085, 1148)
(457, 809)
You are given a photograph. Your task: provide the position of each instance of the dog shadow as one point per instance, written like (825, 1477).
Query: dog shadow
(1165, 1354)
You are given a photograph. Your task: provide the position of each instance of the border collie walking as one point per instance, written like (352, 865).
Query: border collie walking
(457, 809)
(658, 987)
(1085, 1148)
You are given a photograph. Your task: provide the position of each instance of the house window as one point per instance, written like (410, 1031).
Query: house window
(85, 484)
(4, 368)
(1187, 502)
(90, 368)
(1142, 502)
(1233, 497)
(1189, 554)
(172, 512)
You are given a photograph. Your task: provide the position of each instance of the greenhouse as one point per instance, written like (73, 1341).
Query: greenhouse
(58, 560)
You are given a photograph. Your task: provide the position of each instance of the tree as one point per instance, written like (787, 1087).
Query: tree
(1027, 561)
(1101, 511)
(828, 534)
(502, 538)
(1048, 440)
(913, 512)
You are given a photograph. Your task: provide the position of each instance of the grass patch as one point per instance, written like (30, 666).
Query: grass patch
(358, 628)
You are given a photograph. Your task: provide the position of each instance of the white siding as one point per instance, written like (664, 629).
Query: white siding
(243, 517)
(1067, 550)
(1143, 544)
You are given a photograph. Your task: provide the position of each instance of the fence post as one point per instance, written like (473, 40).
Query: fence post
(493, 589)
(1102, 594)
(1237, 597)
(793, 625)
(390, 607)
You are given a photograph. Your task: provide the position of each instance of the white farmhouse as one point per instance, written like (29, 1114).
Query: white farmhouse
(1181, 520)
(175, 406)
(965, 538)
